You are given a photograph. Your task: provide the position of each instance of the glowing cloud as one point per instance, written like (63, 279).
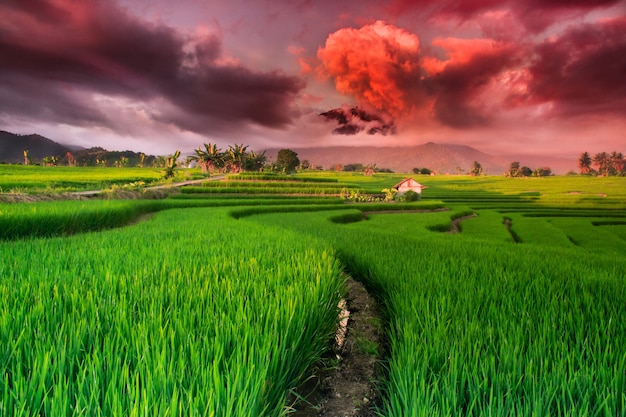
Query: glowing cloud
(377, 64)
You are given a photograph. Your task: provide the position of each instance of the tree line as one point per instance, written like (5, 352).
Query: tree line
(605, 164)
(237, 158)
(209, 157)
(517, 170)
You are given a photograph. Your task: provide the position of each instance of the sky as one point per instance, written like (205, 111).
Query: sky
(544, 77)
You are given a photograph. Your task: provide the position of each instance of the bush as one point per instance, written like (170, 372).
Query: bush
(410, 196)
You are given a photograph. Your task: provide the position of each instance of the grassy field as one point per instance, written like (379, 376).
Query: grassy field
(219, 304)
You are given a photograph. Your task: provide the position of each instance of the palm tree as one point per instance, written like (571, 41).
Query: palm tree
(602, 161)
(617, 162)
(236, 155)
(584, 163)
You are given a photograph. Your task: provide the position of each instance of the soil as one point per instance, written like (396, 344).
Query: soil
(455, 226)
(347, 389)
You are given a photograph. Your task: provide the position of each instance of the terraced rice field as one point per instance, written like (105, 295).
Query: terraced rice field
(221, 305)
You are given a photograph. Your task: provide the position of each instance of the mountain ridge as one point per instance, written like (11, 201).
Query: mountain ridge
(443, 158)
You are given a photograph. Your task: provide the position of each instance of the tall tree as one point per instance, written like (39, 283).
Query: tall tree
(254, 161)
(513, 170)
(210, 159)
(287, 160)
(584, 163)
(477, 169)
(602, 161)
(171, 164)
(235, 157)
(617, 162)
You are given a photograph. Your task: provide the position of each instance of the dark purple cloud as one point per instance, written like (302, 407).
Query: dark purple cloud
(535, 15)
(57, 55)
(351, 121)
(582, 71)
(455, 87)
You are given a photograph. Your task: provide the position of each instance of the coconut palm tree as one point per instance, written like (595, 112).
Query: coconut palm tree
(617, 162)
(584, 163)
(602, 161)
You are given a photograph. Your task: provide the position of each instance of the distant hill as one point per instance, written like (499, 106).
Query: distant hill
(12, 147)
(442, 158)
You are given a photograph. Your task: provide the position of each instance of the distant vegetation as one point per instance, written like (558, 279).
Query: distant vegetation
(606, 164)
(523, 171)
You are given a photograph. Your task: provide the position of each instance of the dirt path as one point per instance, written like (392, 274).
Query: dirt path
(455, 226)
(93, 193)
(347, 390)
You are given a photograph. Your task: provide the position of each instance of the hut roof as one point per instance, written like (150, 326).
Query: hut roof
(409, 182)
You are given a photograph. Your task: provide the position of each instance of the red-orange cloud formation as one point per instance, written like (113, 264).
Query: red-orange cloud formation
(378, 64)
(472, 82)
(381, 66)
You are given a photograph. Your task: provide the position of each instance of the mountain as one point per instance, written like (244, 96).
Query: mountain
(12, 147)
(442, 158)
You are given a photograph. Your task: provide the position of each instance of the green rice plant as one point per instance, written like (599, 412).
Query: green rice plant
(617, 229)
(347, 216)
(583, 233)
(537, 230)
(33, 178)
(260, 176)
(488, 225)
(240, 189)
(476, 327)
(188, 314)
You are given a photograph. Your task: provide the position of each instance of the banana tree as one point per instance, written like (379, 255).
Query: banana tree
(210, 159)
(236, 155)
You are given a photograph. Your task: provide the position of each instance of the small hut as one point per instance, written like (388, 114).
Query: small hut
(409, 184)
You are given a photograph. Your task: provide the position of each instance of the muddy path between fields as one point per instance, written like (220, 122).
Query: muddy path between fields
(455, 225)
(347, 388)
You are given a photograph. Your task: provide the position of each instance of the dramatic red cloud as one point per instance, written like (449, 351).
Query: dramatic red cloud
(62, 53)
(378, 64)
(579, 72)
(381, 66)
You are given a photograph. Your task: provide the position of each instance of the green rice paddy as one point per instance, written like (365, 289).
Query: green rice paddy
(220, 305)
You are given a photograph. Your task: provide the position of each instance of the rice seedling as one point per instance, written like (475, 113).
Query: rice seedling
(37, 179)
(481, 328)
(185, 315)
(220, 311)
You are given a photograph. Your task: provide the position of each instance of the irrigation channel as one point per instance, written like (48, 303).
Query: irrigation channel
(345, 385)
